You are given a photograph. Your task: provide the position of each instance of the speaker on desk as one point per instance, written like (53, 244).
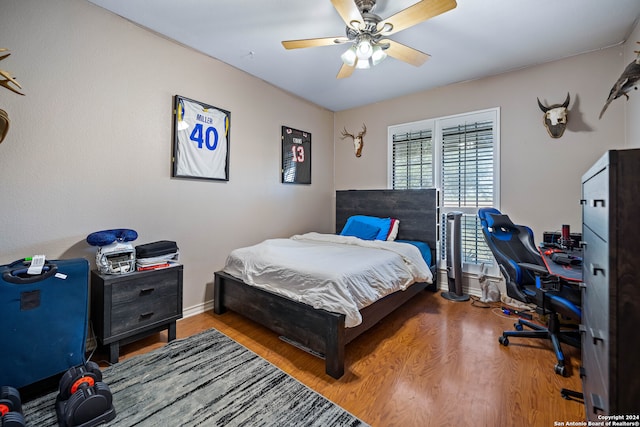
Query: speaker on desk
(565, 240)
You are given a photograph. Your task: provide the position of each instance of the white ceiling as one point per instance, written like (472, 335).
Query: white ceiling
(479, 38)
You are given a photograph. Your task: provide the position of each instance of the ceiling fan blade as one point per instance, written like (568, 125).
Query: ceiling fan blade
(345, 71)
(415, 14)
(348, 11)
(405, 53)
(325, 41)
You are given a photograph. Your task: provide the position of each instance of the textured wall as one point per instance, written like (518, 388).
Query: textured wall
(90, 144)
(540, 176)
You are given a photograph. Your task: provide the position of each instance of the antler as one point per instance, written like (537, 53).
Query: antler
(364, 130)
(7, 77)
(346, 134)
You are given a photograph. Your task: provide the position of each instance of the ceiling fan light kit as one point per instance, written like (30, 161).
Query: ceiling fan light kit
(364, 49)
(349, 57)
(366, 31)
(364, 54)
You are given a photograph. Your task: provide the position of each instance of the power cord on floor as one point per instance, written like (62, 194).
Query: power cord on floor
(94, 347)
(476, 302)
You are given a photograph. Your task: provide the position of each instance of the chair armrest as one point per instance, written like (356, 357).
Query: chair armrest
(548, 280)
(534, 267)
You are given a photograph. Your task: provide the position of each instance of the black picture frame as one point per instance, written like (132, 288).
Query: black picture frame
(296, 156)
(201, 140)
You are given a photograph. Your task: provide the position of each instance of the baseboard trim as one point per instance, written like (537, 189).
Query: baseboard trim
(197, 309)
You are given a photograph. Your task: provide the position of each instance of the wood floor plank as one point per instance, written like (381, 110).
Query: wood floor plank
(433, 362)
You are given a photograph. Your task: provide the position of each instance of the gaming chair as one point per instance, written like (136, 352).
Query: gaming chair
(528, 280)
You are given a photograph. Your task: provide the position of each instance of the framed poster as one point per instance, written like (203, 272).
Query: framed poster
(296, 156)
(200, 140)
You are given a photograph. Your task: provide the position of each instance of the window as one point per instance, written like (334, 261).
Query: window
(459, 155)
(412, 160)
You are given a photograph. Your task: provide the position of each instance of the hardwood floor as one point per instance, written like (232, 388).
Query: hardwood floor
(433, 362)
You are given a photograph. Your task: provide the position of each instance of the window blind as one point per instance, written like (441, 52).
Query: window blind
(467, 165)
(468, 181)
(412, 160)
(459, 155)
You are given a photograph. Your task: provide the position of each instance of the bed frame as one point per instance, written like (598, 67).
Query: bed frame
(319, 330)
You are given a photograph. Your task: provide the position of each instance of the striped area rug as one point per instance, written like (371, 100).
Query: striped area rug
(204, 380)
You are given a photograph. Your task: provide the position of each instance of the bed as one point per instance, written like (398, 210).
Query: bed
(321, 331)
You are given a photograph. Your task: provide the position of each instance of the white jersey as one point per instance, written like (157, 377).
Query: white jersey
(202, 141)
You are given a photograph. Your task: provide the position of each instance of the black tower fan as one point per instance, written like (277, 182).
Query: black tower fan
(454, 258)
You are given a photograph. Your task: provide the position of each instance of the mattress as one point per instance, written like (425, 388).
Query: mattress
(341, 274)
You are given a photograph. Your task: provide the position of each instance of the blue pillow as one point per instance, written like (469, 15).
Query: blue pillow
(361, 230)
(383, 224)
(424, 248)
(106, 237)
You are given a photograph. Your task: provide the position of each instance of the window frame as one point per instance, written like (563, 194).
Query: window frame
(437, 125)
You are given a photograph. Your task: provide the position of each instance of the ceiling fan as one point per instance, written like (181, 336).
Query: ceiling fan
(367, 31)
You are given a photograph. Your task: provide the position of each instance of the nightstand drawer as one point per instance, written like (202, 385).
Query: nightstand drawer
(141, 290)
(143, 301)
(130, 317)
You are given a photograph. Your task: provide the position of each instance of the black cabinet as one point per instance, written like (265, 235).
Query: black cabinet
(127, 307)
(611, 289)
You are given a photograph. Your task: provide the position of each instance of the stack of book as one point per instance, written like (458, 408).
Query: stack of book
(156, 255)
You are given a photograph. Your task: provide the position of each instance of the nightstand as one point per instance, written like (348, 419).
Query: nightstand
(128, 307)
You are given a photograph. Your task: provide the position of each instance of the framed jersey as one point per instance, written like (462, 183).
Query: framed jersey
(296, 156)
(200, 140)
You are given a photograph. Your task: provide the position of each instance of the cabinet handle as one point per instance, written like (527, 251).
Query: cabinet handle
(597, 336)
(146, 291)
(583, 201)
(582, 244)
(597, 403)
(595, 269)
(144, 316)
(597, 202)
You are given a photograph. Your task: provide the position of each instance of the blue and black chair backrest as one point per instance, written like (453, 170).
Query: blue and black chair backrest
(512, 244)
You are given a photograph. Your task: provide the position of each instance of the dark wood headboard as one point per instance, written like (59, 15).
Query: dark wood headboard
(417, 211)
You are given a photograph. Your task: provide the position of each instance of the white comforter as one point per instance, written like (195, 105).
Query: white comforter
(341, 274)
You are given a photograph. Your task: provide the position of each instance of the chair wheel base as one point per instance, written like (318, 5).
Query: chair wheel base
(503, 340)
(560, 370)
(572, 395)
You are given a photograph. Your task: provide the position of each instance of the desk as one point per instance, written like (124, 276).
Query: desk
(570, 273)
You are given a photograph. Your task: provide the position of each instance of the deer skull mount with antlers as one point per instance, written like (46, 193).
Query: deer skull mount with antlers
(358, 140)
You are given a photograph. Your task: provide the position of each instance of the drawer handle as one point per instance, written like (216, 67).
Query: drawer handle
(582, 329)
(146, 291)
(145, 316)
(595, 269)
(597, 202)
(597, 403)
(597, 336)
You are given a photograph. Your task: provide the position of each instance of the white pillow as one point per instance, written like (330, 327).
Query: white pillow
(393, 231)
